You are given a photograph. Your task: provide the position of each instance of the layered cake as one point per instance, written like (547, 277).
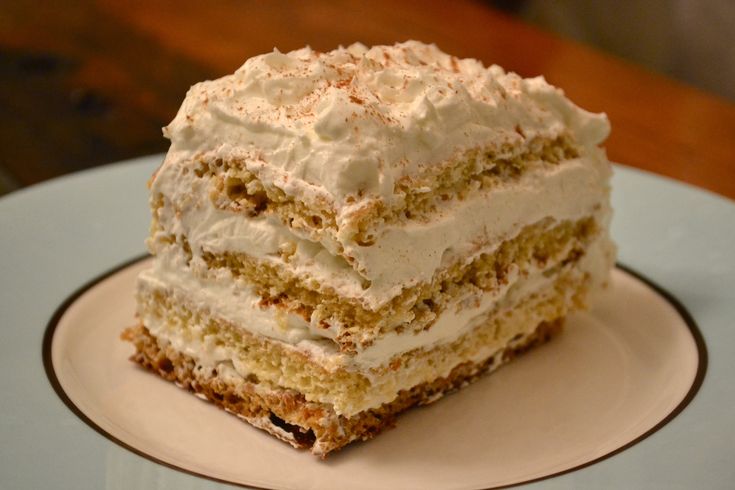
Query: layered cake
(340, 236)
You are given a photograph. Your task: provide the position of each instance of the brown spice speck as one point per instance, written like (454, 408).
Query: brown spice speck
(455, 65)
(342, 83)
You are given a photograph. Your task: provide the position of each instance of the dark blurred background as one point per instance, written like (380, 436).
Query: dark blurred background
(691, 40)
(88, 82)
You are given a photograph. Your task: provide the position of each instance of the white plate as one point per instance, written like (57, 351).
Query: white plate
(619, 373)
(62, 234)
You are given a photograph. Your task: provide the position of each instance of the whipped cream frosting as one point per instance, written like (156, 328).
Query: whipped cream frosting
(342, 127)
(232, 303)
(404, 254)
(350, 122)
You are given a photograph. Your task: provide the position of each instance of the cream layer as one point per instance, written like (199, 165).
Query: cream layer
(235, 303)
(404, 254)
(384, 386)
(353, 121)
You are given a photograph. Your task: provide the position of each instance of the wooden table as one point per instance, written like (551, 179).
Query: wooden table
(86, 82)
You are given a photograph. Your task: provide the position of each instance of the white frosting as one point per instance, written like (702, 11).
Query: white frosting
(234, 302)
(403, 254)
(342, 128)
(294, 332)
(354, 120)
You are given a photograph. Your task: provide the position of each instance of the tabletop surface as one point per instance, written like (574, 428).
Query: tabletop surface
(88, 82)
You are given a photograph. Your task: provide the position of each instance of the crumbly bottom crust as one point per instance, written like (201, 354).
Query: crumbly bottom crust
(287, 415)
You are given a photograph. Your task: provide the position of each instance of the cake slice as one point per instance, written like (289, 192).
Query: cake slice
(341, 236)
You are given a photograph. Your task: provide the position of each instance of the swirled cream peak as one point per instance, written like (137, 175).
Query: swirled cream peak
(349, 123)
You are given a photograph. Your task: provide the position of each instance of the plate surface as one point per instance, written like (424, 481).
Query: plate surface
(57, 236)
(619, 371)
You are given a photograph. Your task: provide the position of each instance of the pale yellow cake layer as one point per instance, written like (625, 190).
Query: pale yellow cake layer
(538, 246)
(287, 415)
(233, 188)
(323, 374)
